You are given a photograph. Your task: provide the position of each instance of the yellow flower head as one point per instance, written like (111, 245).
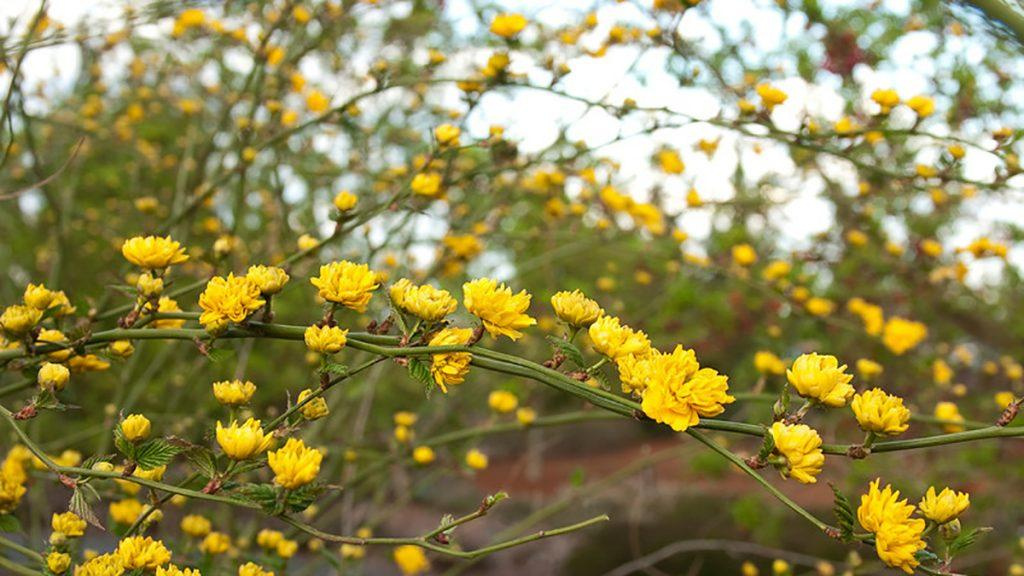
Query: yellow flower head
(135, 427)
(38, 296)
(172, 570)
(315, 408)
(801, 446)
(58, 562)
(900, 334)
(125, 511)
(195, 525)
(821, 378)
(615, 340)
(426, 302)
(269, 539)
(508, 25)
(450, 368)
(230, 299)
(949, 412)
(233, 392)
(744, 255)
(881, 413)
(423, 455)
(768, 363)
(897, 543)
(153, 252)
(346, 283)
(447, 135)
(575, 309)
(345, 201)
(679, 391)
(476, 459)
(215, 543)
(325, 339)
(253, 569)
(103, 565)
(868, 369)
(53, 376)
(243, 441)
(944, 506)
(18, 320)
(295, 464)
(137, 552)
(502, 312)
(887, 99)
(68, 524)
(923, 105)
(502, 401)
(669, 161)
(426, 184)
(269, 279)
(879, 506)
(770, 96)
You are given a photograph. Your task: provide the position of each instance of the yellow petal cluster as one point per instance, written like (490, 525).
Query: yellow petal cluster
(325, 339)
(153, 252)
(230, 299)
(135, 427)
(68, 524)
(17, 320)
(615, 340)
(880, 412)
(944, 506)
(315, 408)
(897, 535)
(425, 302)
(900, 334)
(575, 309)
(450, 368)
(800, 445)
(768, 363)
(233, 392)
(269, 279)
(502, 312)
(679, 392)
(243, 441)
(508, 25)
(346, 283)
(821, 378)
(295, 464)
(138, 552)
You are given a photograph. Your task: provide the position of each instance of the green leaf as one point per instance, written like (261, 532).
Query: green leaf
(265, 495)
(154, 453)
(79, 504)
(965, 539)
(420, 371)
(203, 459)
(843, 511)
(337, 368)
(303, 497)
(568, 349)
(122, 444)
(767, 446)
(8, 523)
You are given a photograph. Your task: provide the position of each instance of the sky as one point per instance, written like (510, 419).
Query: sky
(802, 216)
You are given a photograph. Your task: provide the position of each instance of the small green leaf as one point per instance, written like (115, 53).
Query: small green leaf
(767, 446)
(79, 504)
(154, 453)
(265, 495)
(122, 444)
(203, 460)
(420, 371)
(965, 539)
(568, 349)
(843, 511)
(8, 523)
(337, 368)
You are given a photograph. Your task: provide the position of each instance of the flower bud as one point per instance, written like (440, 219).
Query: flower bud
(149, 286)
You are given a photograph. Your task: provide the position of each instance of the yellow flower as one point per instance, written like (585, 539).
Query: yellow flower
(269, 279)
(615, 340)
(58, 562)
(345, 201)
(476, 459)
(172, 570)
(18, 320)
(230, 299)
(900, 334)
(868, 369)
(801, 446)
(881, 413)
(325, 339)
(923, 105)
(502, 312)
(53, 376)
(287, 548)
(294, 465)
(508, 25)
(447, 135)
(125, 511)
(103, 565)
(819, 306)
(87, 363)
(153, 252)
(68, 524)
(317, 102)
(315, 408)
(670, 162)
(121, 348)
(575, 309)
(426, 302)
(780, 567)
(502, 401)
(944, 506)
(38, 296)
(307, 243)
(679, 391)
(215, 543)
(526, 416)
(880, 506)
(423, 455)
(195, 525)
(167, 305)
(269, 539)
(770, 96)
(897, 543)
(950, 413)
(942, 373)
(346, 283)
(135, 427)
(142, 552)
(242, 441)
(450, 368)
(426, 184)
(744, 255)
(887, 99)
(821, 378)
(253, 569)
(768, 363)
(233, 392)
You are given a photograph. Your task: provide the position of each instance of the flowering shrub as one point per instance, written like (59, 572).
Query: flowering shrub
(280, 291)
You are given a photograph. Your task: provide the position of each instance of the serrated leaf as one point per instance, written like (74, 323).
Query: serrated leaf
(79, 504)
(122, 444)
(8, 523)
(420, 371)
(843, 511)
(303, 497)
(965, 539)
(267, 497)
(154, 453)
(767, 446)
(202, 459)
(568, 349)
(334, 368)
